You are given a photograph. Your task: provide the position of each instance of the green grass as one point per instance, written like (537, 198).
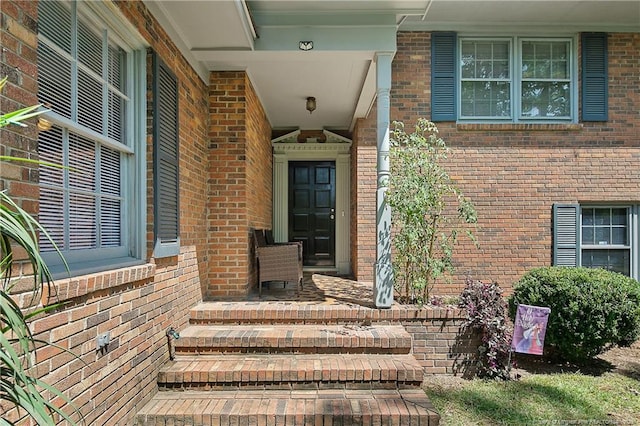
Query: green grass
(539, 399)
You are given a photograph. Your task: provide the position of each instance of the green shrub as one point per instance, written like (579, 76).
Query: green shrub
(591, 309)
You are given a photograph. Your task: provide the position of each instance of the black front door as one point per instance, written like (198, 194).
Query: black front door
(312, 203)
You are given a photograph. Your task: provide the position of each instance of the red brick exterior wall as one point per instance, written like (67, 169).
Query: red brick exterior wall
(18, 62)
(193, 121)
(240, 182)
(363, 198)
(515, 173)
(259, 169)
(442, 344)
(135, 305)
(227, 208)
(259, 165)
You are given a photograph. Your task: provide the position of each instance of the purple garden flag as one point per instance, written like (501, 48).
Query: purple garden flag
(530, 329)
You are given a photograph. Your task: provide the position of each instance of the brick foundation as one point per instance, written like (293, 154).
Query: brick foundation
(135, 306)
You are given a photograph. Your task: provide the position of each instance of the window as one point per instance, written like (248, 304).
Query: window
(517, 79)
(595, 236)
(605, 238)
(90, 80)
(485, 79)
(546, 83)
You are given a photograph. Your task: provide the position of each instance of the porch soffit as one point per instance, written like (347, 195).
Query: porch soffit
(530, 16)
(340, 71)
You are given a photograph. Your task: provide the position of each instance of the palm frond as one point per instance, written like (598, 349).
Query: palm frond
(17, 344)
(15, 117)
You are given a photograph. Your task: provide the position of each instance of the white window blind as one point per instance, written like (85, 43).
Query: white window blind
(84, 79)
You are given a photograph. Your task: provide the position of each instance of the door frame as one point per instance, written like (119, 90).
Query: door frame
(336, 148)
(320, 220)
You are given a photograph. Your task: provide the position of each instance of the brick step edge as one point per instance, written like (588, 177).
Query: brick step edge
(387, 339)
(283, 313)
(291, 371)
(348, 407)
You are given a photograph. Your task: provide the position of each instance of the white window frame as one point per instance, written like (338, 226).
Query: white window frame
(633, 235)
(510, 80)
(101, 16)
(515, 71)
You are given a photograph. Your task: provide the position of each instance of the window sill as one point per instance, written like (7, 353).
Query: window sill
(69, 288)
(520, 127)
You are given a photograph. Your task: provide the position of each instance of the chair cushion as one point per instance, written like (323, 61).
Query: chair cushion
(259, 236)
(268, 235)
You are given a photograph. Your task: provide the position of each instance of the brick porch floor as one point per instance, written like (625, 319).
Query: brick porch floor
(320, 288)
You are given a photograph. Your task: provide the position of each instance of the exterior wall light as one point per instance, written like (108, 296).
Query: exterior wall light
(44, 124)
(311, 104)
(305, 45)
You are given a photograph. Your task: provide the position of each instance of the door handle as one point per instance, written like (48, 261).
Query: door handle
(332, 217)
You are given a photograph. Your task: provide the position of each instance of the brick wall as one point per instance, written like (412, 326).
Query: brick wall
(515, 173)
(18, 62)
(259, 165)
(227, 208)
(193, 126)
(363, 198)
(259, 168)
(240, 181)
(135, 305)
(441, 344)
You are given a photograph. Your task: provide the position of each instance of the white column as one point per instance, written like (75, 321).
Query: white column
(383, 279)
(280, 198)
(342, 213)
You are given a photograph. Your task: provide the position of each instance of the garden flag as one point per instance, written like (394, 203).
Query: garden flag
(530, 329)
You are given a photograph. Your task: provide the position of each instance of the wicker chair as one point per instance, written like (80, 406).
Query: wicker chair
(278, 261)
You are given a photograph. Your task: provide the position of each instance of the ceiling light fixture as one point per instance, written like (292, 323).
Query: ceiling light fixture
(311, 104)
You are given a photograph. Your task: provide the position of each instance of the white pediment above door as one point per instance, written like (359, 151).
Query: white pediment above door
(327, 142)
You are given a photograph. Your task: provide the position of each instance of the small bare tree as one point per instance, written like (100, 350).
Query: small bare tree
(428, 210)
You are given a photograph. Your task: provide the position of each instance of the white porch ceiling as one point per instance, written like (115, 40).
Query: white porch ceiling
(340, 72)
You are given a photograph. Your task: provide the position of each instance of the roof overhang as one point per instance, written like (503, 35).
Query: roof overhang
(263, 38)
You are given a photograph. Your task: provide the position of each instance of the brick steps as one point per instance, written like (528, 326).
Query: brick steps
(298, 407)
(268, 313)
(294, 313)
(315, 338)
(290, 364)
(291, 372)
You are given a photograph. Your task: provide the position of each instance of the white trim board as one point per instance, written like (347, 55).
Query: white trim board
(285, 150)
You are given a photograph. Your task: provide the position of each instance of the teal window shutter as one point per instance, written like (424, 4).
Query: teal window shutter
(566, 235)
(165, 161)
(443, 76)
(594, 77)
